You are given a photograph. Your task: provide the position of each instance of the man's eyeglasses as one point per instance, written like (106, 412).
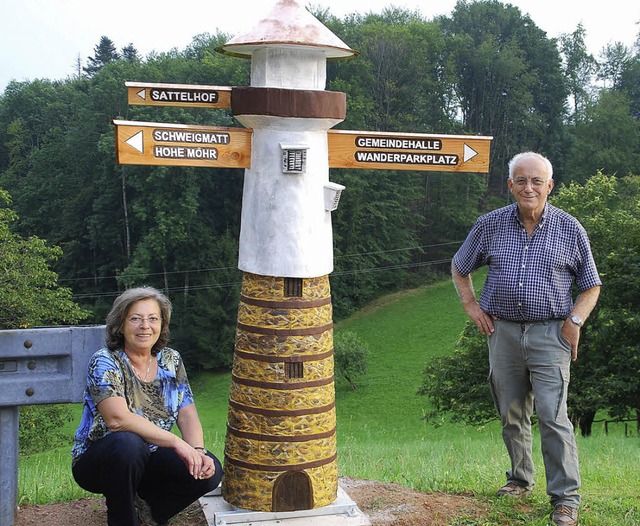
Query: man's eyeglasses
(137, 320)
(536, 182)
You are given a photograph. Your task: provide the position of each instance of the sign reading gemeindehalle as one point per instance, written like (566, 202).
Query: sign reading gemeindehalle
(408, 151)
(162, 144)
(186, 95)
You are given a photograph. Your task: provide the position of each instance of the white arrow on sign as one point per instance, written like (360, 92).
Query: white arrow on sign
(143, 94)
(136, 141)
(469, 153)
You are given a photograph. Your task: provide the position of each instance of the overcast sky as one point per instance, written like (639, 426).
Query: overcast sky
(44, 38)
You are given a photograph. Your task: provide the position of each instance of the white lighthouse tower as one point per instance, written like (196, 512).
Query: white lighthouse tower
(280, 450)
(286, 229)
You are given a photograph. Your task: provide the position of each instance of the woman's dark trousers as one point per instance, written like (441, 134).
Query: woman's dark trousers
(120, 465)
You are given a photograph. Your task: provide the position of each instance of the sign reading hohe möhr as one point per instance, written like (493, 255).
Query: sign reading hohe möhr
(162, 144)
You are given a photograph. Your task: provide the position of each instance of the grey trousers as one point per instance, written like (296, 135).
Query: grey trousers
(530, 363)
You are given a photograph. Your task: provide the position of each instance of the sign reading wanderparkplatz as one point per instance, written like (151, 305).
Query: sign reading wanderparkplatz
(160, 144)
(408, 151)
(185, 95)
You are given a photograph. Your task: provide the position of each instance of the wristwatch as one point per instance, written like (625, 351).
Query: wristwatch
(576, 319)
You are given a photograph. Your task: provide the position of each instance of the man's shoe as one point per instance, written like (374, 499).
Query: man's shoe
(565, 515)
(513, 490)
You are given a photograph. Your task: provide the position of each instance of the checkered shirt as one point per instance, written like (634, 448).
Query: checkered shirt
(530, 278)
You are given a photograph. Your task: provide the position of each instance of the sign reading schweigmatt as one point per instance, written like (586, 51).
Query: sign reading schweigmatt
(149, 143)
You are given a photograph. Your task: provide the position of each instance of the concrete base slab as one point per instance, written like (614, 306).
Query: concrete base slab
(341, 512)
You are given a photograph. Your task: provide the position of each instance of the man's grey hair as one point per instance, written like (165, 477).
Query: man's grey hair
(516, 159)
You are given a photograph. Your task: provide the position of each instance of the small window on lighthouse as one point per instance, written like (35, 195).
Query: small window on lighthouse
(294, 158)
(292, 287)
(294, 369)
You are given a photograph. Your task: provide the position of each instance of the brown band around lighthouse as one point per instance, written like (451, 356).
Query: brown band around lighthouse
(281, 102)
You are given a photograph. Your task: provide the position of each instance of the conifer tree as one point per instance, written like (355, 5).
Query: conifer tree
(105, 52)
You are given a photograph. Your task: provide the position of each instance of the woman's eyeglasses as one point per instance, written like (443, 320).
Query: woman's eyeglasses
(137, 320)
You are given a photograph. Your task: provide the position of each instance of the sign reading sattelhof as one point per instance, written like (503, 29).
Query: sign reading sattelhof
(186, 95)
(161, 144)
(408, 151)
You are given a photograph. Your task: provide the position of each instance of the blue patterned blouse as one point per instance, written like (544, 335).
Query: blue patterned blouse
(111, 374)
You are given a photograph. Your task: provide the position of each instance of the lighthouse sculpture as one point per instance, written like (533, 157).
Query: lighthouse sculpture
(280, 448)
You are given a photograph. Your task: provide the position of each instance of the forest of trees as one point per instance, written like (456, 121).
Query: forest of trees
(486, 69)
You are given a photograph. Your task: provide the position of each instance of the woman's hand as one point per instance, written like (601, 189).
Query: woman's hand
(207, 468)
(200, 465)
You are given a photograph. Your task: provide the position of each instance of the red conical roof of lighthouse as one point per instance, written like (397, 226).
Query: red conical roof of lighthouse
(288, 24)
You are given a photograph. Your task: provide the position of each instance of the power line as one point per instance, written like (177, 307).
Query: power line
(212, 269)
(227, 269)
(232, 284)
(171, 289)
(398, 250)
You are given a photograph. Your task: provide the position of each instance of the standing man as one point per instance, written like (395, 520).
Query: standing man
(535, 253)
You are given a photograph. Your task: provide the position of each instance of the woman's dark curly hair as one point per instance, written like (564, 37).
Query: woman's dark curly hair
(119, 310)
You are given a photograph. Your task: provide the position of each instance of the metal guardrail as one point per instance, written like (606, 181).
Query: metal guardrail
(37, 366)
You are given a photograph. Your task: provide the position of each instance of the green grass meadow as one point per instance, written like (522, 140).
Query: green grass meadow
(382, 436)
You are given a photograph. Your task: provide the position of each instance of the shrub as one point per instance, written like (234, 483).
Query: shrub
(39, 427)
(350, 355)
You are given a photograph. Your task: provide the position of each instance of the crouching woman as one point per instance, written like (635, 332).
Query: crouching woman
(137, 389)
